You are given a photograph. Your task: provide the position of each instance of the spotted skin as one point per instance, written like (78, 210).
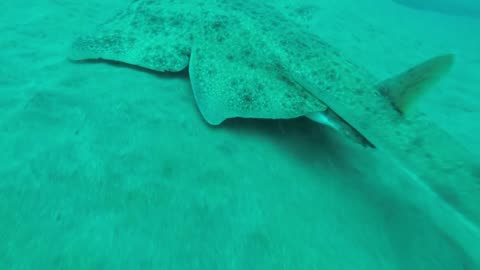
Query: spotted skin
(233, 72)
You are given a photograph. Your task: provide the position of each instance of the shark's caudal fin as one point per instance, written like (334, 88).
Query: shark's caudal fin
(404, 89)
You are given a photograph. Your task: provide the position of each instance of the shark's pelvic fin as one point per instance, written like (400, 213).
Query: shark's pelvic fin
(405, 88)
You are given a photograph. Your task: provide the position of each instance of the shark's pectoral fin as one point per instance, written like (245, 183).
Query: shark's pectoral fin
(146, 34)
(233, 77)
(404, 89)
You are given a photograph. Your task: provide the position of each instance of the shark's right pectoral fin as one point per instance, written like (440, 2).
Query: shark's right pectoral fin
(405, 88)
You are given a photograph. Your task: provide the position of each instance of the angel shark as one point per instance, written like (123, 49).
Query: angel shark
(250, 59)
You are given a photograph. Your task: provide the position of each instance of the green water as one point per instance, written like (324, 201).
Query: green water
(107, 166)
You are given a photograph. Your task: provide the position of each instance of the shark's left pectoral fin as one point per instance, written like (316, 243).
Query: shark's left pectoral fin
(404, 89)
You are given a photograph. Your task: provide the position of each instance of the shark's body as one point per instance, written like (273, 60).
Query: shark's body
(249, 60)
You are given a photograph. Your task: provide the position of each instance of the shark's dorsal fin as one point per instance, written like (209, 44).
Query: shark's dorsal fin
(405, 88)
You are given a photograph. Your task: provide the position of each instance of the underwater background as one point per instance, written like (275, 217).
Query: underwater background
(111, 167)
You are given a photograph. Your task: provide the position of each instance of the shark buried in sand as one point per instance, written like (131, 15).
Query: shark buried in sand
(251, 60)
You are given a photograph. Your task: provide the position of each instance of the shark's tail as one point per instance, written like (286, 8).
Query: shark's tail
(440, 165)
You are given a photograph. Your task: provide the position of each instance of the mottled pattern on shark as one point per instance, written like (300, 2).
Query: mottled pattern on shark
(249, 59)
(232, 61)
